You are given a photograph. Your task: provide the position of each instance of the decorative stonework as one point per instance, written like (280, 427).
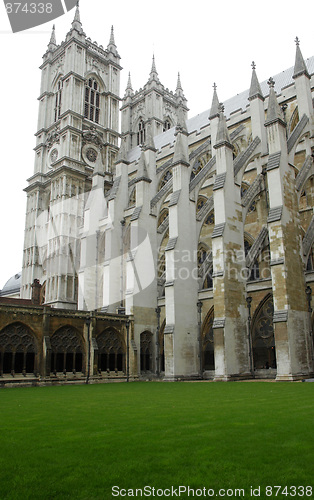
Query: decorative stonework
(92, 136)
(91, 155)
(53, 137)
(54, 155)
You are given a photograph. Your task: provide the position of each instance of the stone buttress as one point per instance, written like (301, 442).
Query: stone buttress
(230, 327)
(290, 308)
(181, 288)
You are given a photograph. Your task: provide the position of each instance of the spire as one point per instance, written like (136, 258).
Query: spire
(112, 44)
(129, 88)
(153, 72)
(255, 88)
(52, 44)
(274, 113)
(76, 24)
(179, 89)
(214, 110)
(299, 66)
(222, 138)
(111, 41)
(179, 86)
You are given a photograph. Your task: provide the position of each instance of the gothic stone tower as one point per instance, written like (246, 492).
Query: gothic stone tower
(152, 106)
(78, 123)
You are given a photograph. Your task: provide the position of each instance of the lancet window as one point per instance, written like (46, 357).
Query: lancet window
(58, 100)
(92, 100)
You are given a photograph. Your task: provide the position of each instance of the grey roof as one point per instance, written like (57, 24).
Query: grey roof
(238, 102)
(13, 285)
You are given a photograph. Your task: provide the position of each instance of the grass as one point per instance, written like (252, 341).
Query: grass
(76, 442)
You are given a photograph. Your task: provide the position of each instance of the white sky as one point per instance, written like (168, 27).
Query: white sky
(207, 41)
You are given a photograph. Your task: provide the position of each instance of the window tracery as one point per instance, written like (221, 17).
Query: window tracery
(166, 125)
(208, 361)
(110, 352)
(17, 350)
(146, 351)
(58, 100)
(66, 351)
(263, 340)
(92, 100)
(165, 178)
(141, 133)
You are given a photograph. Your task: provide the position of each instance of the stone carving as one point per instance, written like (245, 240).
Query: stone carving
(53, 137)
(91, 155)
(92, 136)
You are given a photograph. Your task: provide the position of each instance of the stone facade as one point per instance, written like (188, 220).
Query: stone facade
(200, 229)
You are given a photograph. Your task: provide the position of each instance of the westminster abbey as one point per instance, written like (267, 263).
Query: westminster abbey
(171, 248)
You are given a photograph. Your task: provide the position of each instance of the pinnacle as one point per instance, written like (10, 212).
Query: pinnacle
(112, 41)
(274, 113)
(214, 110)
(222, 138)
(179, 86)
(299, 66)
(52, 42)
(129, 85)
(142, 173)
(76, 24)
(153, 72)
(255, 88)
(179, 89)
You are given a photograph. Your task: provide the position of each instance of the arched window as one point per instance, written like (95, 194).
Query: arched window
(66, 351)
(167, 125)
(208, 354)
(18, 348)
(163, 216)
(141, 135)
(146, 351)
(165, 178)
(263, 340)
(92, 100)
(162, 347)
(110, 352)
(132, 198)
(58, 100)
(201, 202)
(205, 266)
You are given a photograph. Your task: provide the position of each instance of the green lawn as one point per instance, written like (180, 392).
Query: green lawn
(77, 442)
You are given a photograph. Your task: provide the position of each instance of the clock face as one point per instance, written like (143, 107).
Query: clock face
(54, 155)
(91, 155)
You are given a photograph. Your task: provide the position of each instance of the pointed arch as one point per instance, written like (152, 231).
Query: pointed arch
(147, 350)
(162, 347)
(165, 178)
(141, 132)
(167, 124)
(18, 350)
(58, 88)
(92, 103)
(111, 351)
(67, 350)
(262, 332)
(208, 350)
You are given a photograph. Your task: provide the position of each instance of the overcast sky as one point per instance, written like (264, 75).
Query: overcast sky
(207, 41)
